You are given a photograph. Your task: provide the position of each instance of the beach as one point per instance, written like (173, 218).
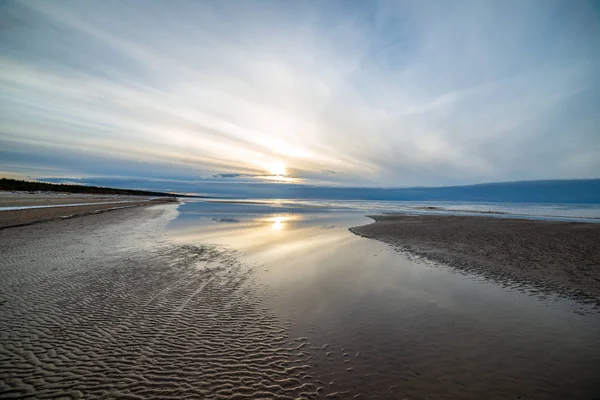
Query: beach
(552, 256)
(318, 200)
(202, 300)
(23, 208)
(101, 306)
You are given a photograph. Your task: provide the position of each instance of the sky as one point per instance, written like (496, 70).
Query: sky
(326, 93)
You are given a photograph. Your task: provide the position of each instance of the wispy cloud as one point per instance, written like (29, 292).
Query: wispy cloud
(381, 93)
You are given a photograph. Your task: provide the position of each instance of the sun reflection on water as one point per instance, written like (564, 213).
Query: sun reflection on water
(278, 222)
(268, 235)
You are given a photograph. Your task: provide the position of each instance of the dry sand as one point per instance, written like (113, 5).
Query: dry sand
(103, 306)
(48, 200)
(559, 257)
(14, 199)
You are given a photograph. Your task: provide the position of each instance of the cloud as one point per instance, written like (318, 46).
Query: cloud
(231, 175)
(266, 176)
(386, 94)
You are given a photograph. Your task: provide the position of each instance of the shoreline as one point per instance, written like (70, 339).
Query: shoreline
(38, 208)
(547, 256)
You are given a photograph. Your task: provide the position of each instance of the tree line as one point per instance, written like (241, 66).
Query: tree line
(28, 186)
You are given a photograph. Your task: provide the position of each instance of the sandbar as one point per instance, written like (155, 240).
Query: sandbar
(551, 256)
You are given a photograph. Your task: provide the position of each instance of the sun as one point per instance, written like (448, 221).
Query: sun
(276, 168)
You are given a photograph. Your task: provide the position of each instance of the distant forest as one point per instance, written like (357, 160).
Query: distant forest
(26, 186)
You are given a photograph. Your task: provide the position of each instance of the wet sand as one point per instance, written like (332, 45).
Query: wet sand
(52, 202)
(111, 306)
(102, 306)
(550, 256)
(383, 325)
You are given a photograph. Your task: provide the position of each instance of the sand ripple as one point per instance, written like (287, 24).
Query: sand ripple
(107, 310)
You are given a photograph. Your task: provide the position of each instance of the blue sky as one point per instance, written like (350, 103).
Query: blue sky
(309, 92)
